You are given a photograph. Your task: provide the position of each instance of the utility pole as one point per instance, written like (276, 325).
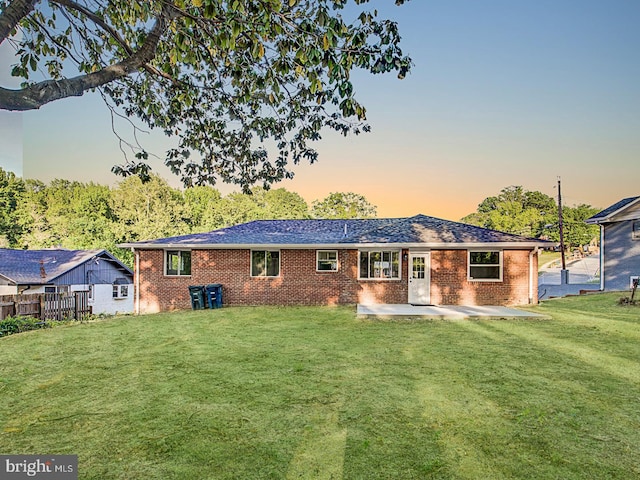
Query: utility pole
(564, 273)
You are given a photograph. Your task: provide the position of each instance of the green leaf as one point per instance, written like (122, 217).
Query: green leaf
(227, 66)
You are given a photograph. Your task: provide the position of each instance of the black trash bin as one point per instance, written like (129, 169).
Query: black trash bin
(197, 294)
(214, 295)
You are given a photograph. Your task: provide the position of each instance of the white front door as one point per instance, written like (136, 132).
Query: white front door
(420, 278)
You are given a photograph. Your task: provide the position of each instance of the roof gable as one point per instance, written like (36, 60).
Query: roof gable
(420, 229)
(616, 211)
(38, 267)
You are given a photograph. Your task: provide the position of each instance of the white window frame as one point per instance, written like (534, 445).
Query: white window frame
(368, 252)
(266, 269)
(335, 263)
(635, 230)
(120, 291)
(500, 265)
(57, 289)
(166, 263)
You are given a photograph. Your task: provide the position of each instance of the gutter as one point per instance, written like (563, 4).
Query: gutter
(137, 282)
(336, 246)
(601, 257)
(531, 273)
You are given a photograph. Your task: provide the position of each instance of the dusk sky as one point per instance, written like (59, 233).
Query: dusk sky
(502, 92)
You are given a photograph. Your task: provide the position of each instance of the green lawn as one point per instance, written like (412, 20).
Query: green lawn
(253, 393)
(547, 256)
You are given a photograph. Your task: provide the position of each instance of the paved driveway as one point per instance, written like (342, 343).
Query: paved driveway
(584, 274)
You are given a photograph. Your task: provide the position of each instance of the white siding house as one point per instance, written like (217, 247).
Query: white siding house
(108, 280)
(619, 243)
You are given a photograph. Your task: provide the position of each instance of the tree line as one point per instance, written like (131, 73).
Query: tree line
(76, 215)
(534, 214)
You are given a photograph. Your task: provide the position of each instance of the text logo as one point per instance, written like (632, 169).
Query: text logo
(45, 467)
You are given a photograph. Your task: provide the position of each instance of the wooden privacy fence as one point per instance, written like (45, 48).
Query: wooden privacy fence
(46, 306)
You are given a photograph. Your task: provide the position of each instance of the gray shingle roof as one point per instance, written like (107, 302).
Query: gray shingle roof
(604, 214)
(412, 230)
(38, 267)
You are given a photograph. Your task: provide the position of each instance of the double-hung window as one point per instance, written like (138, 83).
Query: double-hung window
(635, 230)
(383, 264)
(327, 261)
(178, 262)
(485, 266)
(265, 263)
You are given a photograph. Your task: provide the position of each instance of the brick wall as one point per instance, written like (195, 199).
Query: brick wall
(300, 284)
(449, 284)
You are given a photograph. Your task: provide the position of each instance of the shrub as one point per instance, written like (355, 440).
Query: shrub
(11, 325)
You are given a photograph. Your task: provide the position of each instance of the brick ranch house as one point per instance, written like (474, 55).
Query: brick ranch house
(418, 260)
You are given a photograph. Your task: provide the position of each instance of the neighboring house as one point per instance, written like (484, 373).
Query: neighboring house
(417, 260)
(619, 243)
(109, 281)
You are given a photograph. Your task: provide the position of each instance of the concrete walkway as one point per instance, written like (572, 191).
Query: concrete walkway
(444, 312)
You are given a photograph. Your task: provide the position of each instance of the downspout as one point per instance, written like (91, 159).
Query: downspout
(602, 257)
(531, 273)
(136, 275)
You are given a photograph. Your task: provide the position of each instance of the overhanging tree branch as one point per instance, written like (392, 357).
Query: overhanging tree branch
(246, 86)
(36, 95)
(12, 14)
(98, 21)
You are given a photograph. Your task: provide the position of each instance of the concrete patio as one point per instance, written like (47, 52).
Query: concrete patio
(444, 312)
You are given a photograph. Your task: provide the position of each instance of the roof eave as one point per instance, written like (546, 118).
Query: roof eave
(78, 263)
(8, 279)
(610, 217)
(458, 246)
(111, 258)
(320, 246)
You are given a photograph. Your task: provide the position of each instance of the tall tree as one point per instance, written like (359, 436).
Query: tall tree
(147, 210)
(202, 208)
(534, 214)
(343, 205)
(515, 210)
(227, 77)
(68, 214)
(576, 232)
(11, 193)
(280, 203)
(34, 208)
(239, 208)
